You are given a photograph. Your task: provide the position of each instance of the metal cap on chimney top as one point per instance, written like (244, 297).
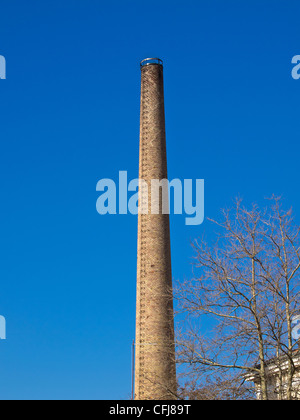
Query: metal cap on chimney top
(151, 61)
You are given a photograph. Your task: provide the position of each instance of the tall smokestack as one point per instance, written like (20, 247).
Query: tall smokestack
(155, 372)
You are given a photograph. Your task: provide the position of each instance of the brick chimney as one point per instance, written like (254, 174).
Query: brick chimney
(155, 371)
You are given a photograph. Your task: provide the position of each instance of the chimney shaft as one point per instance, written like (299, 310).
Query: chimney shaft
(155, 372)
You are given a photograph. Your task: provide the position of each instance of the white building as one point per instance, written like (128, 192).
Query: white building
(276, 372)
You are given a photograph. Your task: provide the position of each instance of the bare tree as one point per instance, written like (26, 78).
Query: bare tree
(217, 388)
(236, 312)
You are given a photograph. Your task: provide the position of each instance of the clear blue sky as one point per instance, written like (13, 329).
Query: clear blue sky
(69, 116)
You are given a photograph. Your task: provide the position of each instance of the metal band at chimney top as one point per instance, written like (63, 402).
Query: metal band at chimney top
(155, 373)
(149, 61)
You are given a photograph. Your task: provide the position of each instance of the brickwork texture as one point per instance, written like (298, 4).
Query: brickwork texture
(155, 372)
